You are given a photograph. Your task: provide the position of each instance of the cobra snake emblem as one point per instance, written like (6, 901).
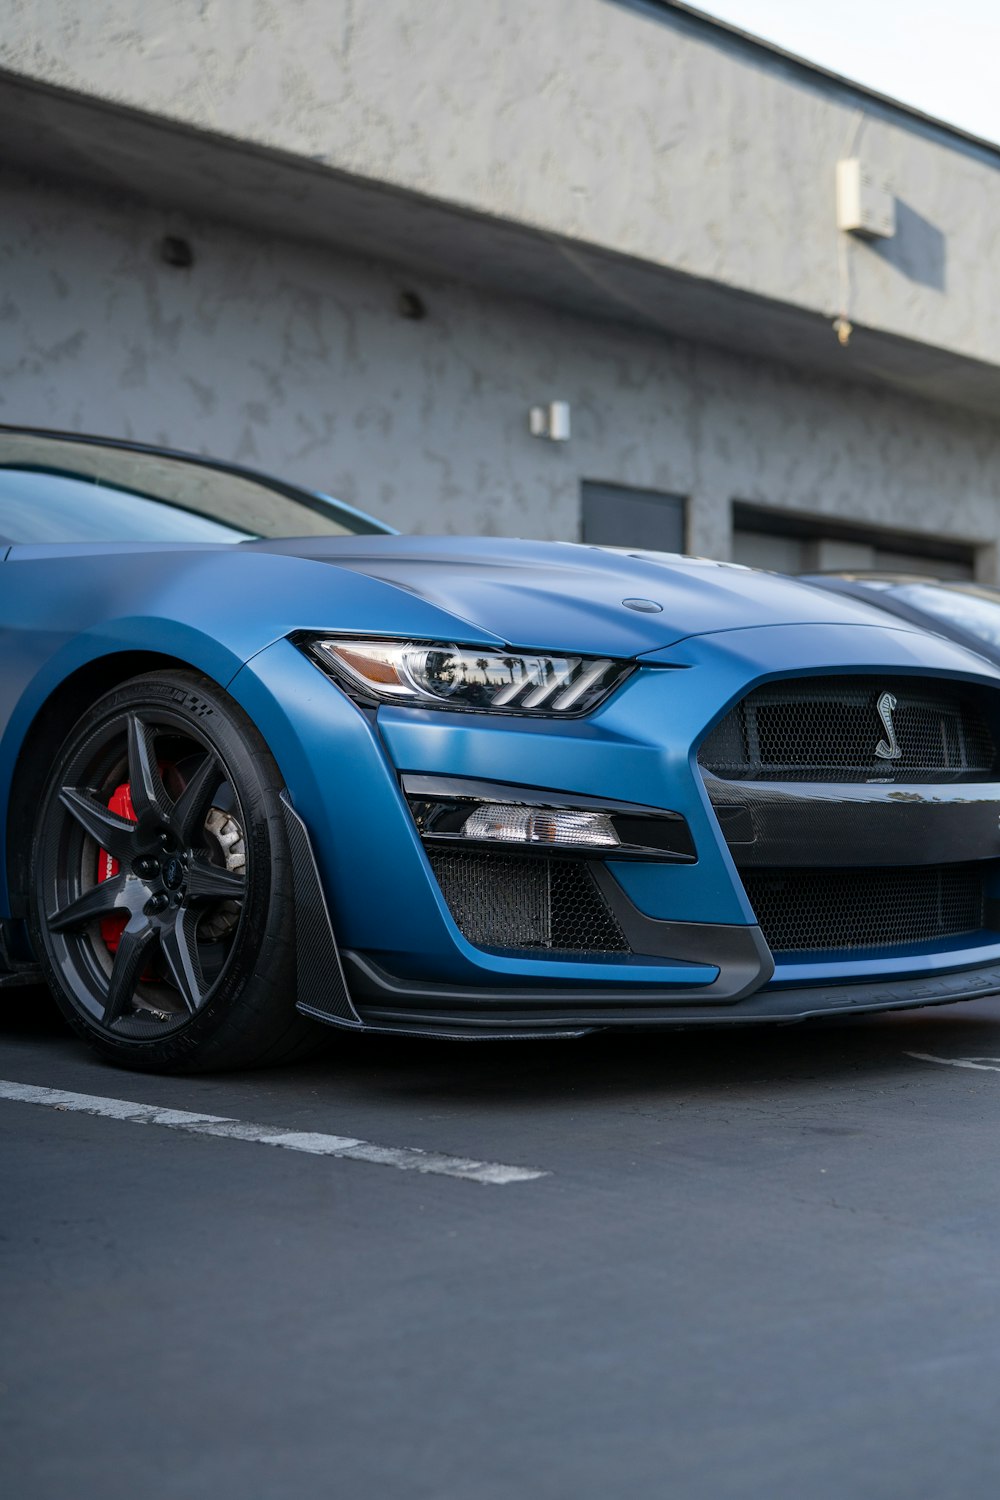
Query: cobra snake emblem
(887, 749)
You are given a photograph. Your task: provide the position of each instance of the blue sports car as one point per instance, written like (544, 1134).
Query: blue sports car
(264, 763)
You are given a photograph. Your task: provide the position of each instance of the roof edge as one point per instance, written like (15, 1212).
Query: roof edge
(701, 20)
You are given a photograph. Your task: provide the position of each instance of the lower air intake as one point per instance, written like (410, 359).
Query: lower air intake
(815, 910)
(503, 901)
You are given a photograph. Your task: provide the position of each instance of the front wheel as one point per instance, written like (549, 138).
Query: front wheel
(161, 903)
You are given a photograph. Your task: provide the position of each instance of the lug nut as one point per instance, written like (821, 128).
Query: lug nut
(159, 902)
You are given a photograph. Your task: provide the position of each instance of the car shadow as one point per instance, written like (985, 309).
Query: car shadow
(418, 1071)
(604, 1064)
(30, 1013)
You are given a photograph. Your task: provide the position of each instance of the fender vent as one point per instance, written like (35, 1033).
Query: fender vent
(503, 901)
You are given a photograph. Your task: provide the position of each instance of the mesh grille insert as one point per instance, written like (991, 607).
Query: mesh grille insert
(827, 729)
(503, 901)
(876, 908)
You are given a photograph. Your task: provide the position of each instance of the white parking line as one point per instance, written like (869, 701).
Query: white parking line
(405, 1158)
(982, 1064)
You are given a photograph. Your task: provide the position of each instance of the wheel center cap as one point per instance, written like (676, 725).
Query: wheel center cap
(172, 872)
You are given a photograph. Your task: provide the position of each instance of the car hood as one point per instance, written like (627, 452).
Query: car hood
(564, 596)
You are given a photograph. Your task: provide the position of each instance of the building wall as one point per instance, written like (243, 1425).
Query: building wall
(641, 132)
(296, 359)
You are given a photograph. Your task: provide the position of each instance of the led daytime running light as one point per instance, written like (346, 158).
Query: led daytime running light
(470, 677)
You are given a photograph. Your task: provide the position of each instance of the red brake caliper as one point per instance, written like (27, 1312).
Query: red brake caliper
(113, 925)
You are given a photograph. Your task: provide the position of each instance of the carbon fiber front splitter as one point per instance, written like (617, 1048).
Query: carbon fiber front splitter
(386, 1003)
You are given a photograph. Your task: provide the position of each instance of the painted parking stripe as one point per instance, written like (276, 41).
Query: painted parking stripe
(982, 1064)
(404, 1158)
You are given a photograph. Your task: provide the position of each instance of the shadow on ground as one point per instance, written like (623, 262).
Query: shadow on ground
(417, 1071)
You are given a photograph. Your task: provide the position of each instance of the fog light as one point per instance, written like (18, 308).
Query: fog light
(505, 823)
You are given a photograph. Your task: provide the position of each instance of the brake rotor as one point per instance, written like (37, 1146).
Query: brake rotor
(226, 836)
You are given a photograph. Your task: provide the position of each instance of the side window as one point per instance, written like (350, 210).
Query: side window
(616, 515)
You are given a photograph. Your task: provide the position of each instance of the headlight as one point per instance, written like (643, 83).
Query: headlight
(444, 676)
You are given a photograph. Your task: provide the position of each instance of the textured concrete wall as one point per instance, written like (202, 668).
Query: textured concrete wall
(298, 360)
(674, 145)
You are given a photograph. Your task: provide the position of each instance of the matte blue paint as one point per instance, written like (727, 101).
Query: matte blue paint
(919, 958)
(229, 611)
(559, 596)
(383, 897)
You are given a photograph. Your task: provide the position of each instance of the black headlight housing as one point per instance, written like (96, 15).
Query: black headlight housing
(475, 679)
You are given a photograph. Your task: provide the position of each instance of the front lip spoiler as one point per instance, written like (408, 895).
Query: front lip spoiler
(385, 1002)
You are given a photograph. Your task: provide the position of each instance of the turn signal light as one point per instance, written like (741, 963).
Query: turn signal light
(504, 823)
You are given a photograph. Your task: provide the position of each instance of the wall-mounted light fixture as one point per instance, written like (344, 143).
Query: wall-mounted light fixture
(551, 421)
(866, 204)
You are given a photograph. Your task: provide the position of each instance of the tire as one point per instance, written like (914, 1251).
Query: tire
(162, 905)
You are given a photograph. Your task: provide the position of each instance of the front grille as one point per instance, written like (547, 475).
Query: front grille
(818, 910)
(506, 901)
(827, 729)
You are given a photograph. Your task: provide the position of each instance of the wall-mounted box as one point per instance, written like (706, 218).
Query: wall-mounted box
(866, 204)
(552, 421)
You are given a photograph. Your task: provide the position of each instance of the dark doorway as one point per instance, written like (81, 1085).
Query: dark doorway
(615, 515)
(793, 543)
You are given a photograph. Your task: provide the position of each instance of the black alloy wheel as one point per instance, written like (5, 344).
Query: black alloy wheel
(162, 906)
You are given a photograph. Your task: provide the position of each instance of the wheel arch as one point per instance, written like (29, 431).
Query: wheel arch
(47, 731)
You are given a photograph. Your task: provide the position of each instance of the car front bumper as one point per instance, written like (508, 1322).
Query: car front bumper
(697, 954)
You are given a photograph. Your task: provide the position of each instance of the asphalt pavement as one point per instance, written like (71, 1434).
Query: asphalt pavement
(760, 1263)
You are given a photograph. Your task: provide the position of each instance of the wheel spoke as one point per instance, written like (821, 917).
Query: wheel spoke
(111, 832)
(148, 793)
(192, 806)
(206, 882)
(97, 902)
(133, 946)
(179, 943)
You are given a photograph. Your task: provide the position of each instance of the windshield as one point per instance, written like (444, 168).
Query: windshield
(55, 489)
(974, 609)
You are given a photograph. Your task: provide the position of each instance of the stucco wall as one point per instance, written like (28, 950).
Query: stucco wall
(674, 145)
(297, 360)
